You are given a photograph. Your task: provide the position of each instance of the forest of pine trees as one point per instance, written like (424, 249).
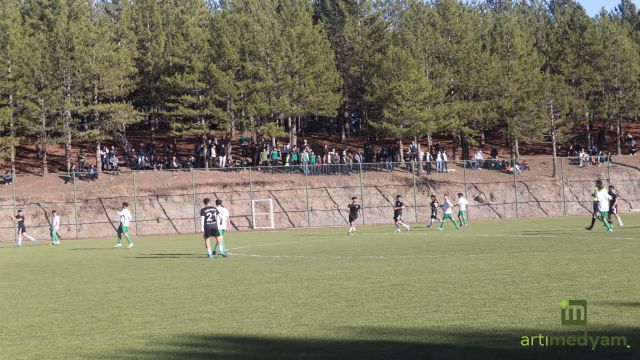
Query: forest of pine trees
(530, 70)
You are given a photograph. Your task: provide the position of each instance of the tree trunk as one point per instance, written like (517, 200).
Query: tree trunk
(43, 137)
(454, 154)
(347, 128)
(96, 117)
(553, 141)
(419, 159)
(429, 141)
(293, 138)
(66, 116)
(401, 151)
(482, 139)
(619, 136)
(589, 134)
(464, 143)
(12, 133)
(341, 123)
(98, 158)
(516, 148)
(230, 132)
(555, 152)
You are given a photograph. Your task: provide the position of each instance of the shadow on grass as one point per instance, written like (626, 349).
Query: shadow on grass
(379, 344)
(631, 304)
(167, 256)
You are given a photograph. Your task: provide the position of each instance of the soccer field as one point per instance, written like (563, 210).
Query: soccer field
(320, 294)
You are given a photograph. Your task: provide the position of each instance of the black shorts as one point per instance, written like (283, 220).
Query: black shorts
(596, 208)
(211, 231)
(613, 210)
(22, 229)
(353, 218)
(434, 214)
(397, 217)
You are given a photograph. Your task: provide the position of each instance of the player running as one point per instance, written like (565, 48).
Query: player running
(462, 210)
(434, 211)
(22, 229)
(613, 205)
(123, 229)
(595, 211)
(54, 228)
(224, 222)
(209, 222)
(354, 211)
(447, 207)
(603, 204)
(397, 214)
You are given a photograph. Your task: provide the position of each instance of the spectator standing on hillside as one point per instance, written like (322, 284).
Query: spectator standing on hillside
(104, 158)
(439, 162)
(244, 145)
(413, 150)
(81, 160)
(305, 161)
(114, 163)
(445, 161)
(428, 159)
(479, 158)
(221, 151)
(275, 156)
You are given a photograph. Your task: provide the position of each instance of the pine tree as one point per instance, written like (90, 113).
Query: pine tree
(399, 96)
(357, 33)
(112, 73)
(11, 54)
(619, 66)
(519, 78)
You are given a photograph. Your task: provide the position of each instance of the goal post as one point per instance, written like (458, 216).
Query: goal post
(262, 214)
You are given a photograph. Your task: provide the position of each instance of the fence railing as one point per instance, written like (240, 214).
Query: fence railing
(311, 196)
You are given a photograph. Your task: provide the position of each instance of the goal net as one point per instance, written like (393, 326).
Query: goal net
(262, 214)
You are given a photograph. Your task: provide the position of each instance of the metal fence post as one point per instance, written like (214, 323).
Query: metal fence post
(195, 204)
(251, 198)
(564, 196)
(13, 189)
(415, 198)
(306, 190)
(75, 202)
(464, 172)
(609, 168)
(135, 201)
(515, 193)
(361, 193)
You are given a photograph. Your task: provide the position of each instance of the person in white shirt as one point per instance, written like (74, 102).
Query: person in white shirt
(603, 204)
(447, 207)
(462, 210)
(479, 157)
(439, 162)
(54, 228)
(225, 221)
(123, 229)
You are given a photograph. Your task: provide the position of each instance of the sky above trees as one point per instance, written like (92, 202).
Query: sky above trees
(593, 6)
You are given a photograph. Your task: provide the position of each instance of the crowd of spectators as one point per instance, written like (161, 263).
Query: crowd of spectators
(305, 158)
(591, 156)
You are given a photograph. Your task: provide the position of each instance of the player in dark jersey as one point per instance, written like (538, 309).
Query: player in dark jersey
(209, 221)
(596, 208)
(354, 210)
(434, 210)
(397, 213)
(613, 205)
(22, 229)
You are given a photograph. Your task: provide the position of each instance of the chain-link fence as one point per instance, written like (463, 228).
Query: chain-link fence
(168, 202)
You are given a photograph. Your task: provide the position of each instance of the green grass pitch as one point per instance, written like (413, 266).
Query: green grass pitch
(320, 294)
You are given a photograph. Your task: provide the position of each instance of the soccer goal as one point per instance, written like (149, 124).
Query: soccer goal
(262, 214)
